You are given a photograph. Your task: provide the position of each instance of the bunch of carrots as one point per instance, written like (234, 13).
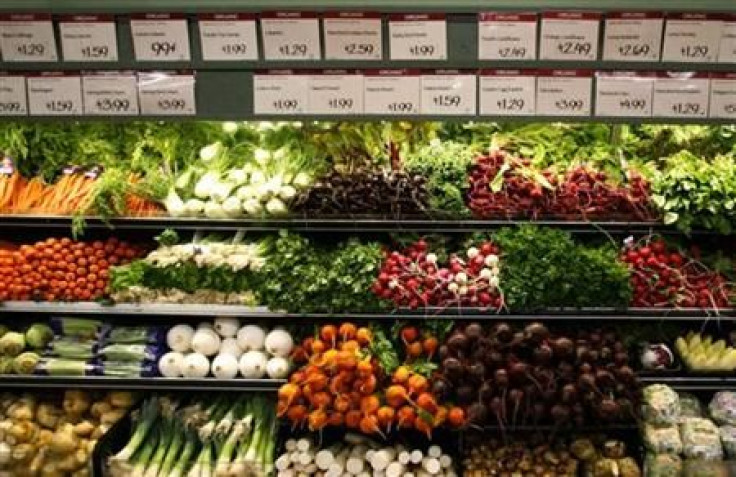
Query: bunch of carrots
(341, 383)
(61, 269)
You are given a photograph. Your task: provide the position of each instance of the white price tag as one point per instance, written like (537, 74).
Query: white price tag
(13, 99)
(450, 93)
(228, 37)
(681, 95)
(507, 36)
(54, 94)
(508, 93)
(633, 36)
(280, 93)
(727, 49)
(392, 92)
(418, 37)
(165, 94)
(160, 37)
(290, 36)
(564, 93)
(336, 92)
(569, 36)
(27, 37)
(353, 36)
(110, 94)
(692, 38)
(723, 95)
(624, 95)
(88, 38)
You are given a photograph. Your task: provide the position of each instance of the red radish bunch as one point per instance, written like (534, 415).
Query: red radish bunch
(414, 278)
(503, 186)
(663, 277)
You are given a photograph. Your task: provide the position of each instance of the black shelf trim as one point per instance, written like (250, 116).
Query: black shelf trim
(140, 384)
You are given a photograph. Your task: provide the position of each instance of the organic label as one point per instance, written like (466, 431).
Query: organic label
(27, 38)
(353, 36)
(681, 95)
(290, 36)
(335, 93)
(54, 94)
(692, 38)
(623, 95)
(392, 92)
(13, 100)
(418, 37)
(280, 93)
(164, 94)
(110, 94)
(723, 96)
(564, 93)
(507, 93)
(88, 38)
(507, 36)
(449, 93)
(228, 37)
(633, 37)
(160, 37)
(569, 36)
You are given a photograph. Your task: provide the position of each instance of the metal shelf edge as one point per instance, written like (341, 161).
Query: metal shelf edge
(148, 384)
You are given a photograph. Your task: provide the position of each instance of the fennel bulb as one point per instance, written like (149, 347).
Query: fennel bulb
(206, 184)
(194, 207)
(213, 210)
(221, 190)
(174, 205)
(232, 207)
(276, 207)
(209, 153)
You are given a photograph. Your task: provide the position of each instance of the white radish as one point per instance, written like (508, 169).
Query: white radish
(253, 365)
(303, 445)
(431, 465)
(251, 338)
(170, 365)
(446, 461)
(395, 469)
(230, 346)
(179, 338)
(277, 368)
(196, 365)
(290, 445)
(305, 458)
(226, 326)
(324, 459)
(279, 343)
(206, 342)
(354, 465)
(404, 457)
(283, 462)
(434, 451)
(416, 456)
(225, 366)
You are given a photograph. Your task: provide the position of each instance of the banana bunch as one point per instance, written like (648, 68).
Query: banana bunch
(700, 353)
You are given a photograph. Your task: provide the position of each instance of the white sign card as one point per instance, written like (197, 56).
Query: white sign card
(336, 92)
(280, 92)
(508, 93)
(392, 92)
(167, 94)
(290, 36)
(624, 94)
(54, 94)
(449, 93)
(353, 36)
(692, 38)
(723, 95)
(727, 48)
(507, 36)
(633, 36)
(681, 95)
(564, 93)
(418, 37)
(27, 37)
(228, 36)
(160, 37)
(110, 94)
(13, 99)
(569, 36)
(88, 38)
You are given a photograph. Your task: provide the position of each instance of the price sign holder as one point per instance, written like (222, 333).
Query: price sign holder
(54, 94)
(280, 92)
(110, 93)
(564, 92)
(392, 92)
(336, 92)
(569, 36)
(681, 95)
(633, 36)
(160, 37)
(449, 93)
(290, 36)
(418, 37)
(723, 95)
(167, 93)
(508, 92)
(692, 37)
(27, 37)
(13, 97)
(353, 36)
(228, 36)
(507, 36)
(727, 47)
(89, 38)
(624, 94)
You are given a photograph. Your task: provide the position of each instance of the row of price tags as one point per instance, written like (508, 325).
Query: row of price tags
(628, 36)
(575, 93)
(98, 94)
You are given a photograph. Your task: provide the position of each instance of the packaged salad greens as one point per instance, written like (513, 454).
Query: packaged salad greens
(728, 440)
(700, 439)
(662, 439)
(662, 465)
(661, 405)
(723, 407)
